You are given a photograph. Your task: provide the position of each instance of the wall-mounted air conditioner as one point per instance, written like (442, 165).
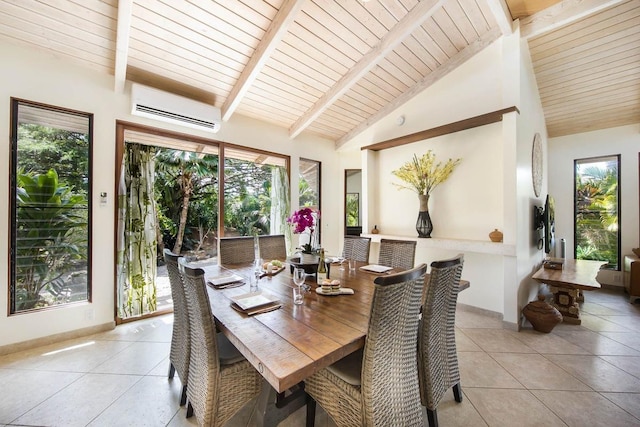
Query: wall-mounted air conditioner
(167, 107)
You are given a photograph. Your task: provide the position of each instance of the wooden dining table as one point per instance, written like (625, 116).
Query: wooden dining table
(289, 344)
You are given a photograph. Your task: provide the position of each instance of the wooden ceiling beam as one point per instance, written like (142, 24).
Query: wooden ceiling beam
(125, 8)
(561, 14)
(502, 16)
(393, 38)
(470, 123)
(278, 28)
(430, 79)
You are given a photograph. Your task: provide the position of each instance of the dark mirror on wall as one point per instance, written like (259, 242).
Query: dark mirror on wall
(353, 201)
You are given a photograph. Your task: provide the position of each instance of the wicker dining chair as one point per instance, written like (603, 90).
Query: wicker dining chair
(437, 357)
(180, 339)
(356, 247)
(398, 254)
(236, 250)
(221, 380)
(272, 247)
(378, 385)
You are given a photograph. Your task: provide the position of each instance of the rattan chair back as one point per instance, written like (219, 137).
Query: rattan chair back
(215, 393)
(236, 250)
(398, 254)
(437, 356)
(180, 338)
(389, 392)
(356, 247)
(272, 247)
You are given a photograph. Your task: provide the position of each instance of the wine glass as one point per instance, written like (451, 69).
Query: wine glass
(299, 277)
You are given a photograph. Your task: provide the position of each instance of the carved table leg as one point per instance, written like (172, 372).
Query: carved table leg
(566, 301)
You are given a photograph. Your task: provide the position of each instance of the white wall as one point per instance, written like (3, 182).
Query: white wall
(530, 122)
(40, 77)
(624, 141)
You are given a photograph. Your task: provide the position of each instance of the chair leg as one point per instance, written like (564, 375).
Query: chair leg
(432, 417)
(457, 392)
(311, 411)
(183, 396)
(172, 370)
(189, 410)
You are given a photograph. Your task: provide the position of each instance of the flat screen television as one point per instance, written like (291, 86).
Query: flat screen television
(549, 223)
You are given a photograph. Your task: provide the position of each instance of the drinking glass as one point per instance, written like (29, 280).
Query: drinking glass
(352, 264)
(297, 296)
(257, 269)
(298, 278)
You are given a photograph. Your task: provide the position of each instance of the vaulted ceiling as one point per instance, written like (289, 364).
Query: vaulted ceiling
(334, 67)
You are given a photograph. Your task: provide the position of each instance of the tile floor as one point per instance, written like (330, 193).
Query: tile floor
(586, 375)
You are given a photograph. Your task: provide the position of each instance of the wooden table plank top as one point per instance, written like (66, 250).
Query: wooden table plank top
(290, 344)
(575, 274)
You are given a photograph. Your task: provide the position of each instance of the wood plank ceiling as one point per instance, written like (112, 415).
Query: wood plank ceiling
(334, 67)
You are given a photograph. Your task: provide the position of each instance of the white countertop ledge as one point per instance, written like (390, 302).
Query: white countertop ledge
(462, 245)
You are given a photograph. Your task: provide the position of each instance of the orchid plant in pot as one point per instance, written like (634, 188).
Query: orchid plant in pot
(422, 175)
(302, 220)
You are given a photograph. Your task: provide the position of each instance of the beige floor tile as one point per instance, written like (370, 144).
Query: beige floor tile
(497, 340)
(548, 343)
(624, 308)
(161, 369)
(520, 408)
(140, 330)
(480, 370)
(180, 419)
(585, 409)
(630, 364)
(463, 343)
(135, 408)
(631, 322)
(599, 324)
(540, 373)
(470, 319)
(597, 373)
(23, 390)
(598, 343)
(630, 402)
(457, 414)
(629, 339)
(597, 309)
(77, 355)
(139, 358)
(80, 402)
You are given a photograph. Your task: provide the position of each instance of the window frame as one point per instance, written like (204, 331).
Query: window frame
(12, 205)
(595, 159)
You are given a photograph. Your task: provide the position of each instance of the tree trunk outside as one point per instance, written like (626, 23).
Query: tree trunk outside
(186, 195)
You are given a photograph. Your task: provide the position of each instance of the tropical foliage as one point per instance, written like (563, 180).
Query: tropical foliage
(422, 174)
(596, 196)
(51, 240)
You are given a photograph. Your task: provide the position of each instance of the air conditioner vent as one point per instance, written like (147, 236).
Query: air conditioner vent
(167, 107)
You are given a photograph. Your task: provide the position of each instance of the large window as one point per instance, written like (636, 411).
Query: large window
(182, 193)
(309, 192)
(597, 210)
(256, 192)
(51, 208)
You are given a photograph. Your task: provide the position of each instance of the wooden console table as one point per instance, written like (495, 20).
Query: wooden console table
(567, 284)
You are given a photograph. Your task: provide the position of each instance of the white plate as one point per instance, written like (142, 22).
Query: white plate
(376, 268)
(224, 280)
(253, 299)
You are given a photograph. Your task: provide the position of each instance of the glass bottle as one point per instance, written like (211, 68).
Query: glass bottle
(322, 268)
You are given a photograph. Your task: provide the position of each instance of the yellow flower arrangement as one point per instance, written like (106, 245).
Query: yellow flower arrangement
(423, 174)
